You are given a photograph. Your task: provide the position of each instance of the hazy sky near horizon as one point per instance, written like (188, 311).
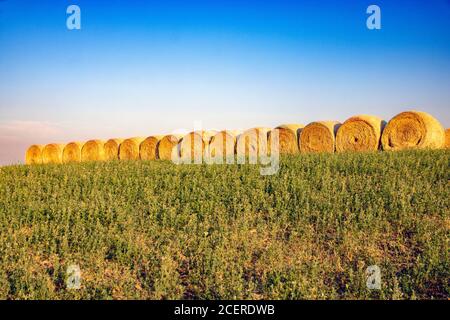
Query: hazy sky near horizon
(138, 68)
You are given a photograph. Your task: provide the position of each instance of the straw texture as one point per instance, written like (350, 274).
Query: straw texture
(112, 149)
(288, 135)
(167, 144)
(252, 142)
(52, 153)
(72, 152)
(93, 150)
(129, 148)
(148, 149)
(192, 146)
(360, 133)
(319, 136)
(34, 154)
(413, 129)
(223, 143)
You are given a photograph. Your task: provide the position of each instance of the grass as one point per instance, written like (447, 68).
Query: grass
(154, 230)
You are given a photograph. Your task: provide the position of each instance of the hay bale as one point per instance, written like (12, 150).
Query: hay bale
(252, 142)
(208, 135)
(193, 145)
(447, 138)
(167, 144)
(360, 133)
(148, 149)
(319, 136)
(112, 149)
(93, 150)
(223, 143)
(34, 154)
(288, 135)
(129, 148)
(52, 153)
(413, 129)
(72, 152)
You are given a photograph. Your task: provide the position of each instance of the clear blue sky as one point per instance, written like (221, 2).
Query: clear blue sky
(138, 68)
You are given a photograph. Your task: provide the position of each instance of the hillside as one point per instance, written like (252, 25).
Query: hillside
(154, 230)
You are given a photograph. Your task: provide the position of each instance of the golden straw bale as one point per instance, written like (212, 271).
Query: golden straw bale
(193, 145)
(34, 154)
(223, 143)
(148, 149)
(319, 136)
(129, 148)
(413, 129)
(447, 138)
(360, 133)
(252, 142)
(112, 149)
(93, 150)
(167, 144)
(208, 135)
(52, 153)
(72, 152)
(288, 135)
(235, 133)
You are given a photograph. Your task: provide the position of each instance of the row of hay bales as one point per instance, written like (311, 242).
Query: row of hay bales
(411, 129)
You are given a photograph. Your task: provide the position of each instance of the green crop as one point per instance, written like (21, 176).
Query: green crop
(155, 230)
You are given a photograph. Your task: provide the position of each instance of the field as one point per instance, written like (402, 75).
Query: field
(154, 230)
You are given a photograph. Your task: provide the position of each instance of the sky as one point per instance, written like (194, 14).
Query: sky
(138, 68)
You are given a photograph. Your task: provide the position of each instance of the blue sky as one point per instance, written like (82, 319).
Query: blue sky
(138, 68)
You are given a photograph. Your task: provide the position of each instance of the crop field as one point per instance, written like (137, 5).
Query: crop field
(155, 230)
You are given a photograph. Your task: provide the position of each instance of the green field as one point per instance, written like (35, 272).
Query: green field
(154, 230)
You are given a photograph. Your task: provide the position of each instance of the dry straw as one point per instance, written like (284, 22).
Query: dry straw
(223, 143)
(410, 129)
(192, 146)
(129, 148)
(34, 154)
(252, 142)
(148, 149)
(52, 153)
(413, 129)
(93, 150)
(447, 138)
(167, 144)
(319, 136)
(288, 135)
(72, 152)
(112, 149)
(359, 133)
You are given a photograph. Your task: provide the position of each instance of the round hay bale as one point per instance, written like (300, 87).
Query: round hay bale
(288, 135)
(166, 145)
(319, 136)
(447, 138)
(34, 154)
(148, 149)
(129, 148)
(360, 133)
(112, 149)
(413, 129)
(193, 145)
(208, 135)
(252, 142)
(52, 153)
(93, 150)
(72, 152)
(223, 143)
